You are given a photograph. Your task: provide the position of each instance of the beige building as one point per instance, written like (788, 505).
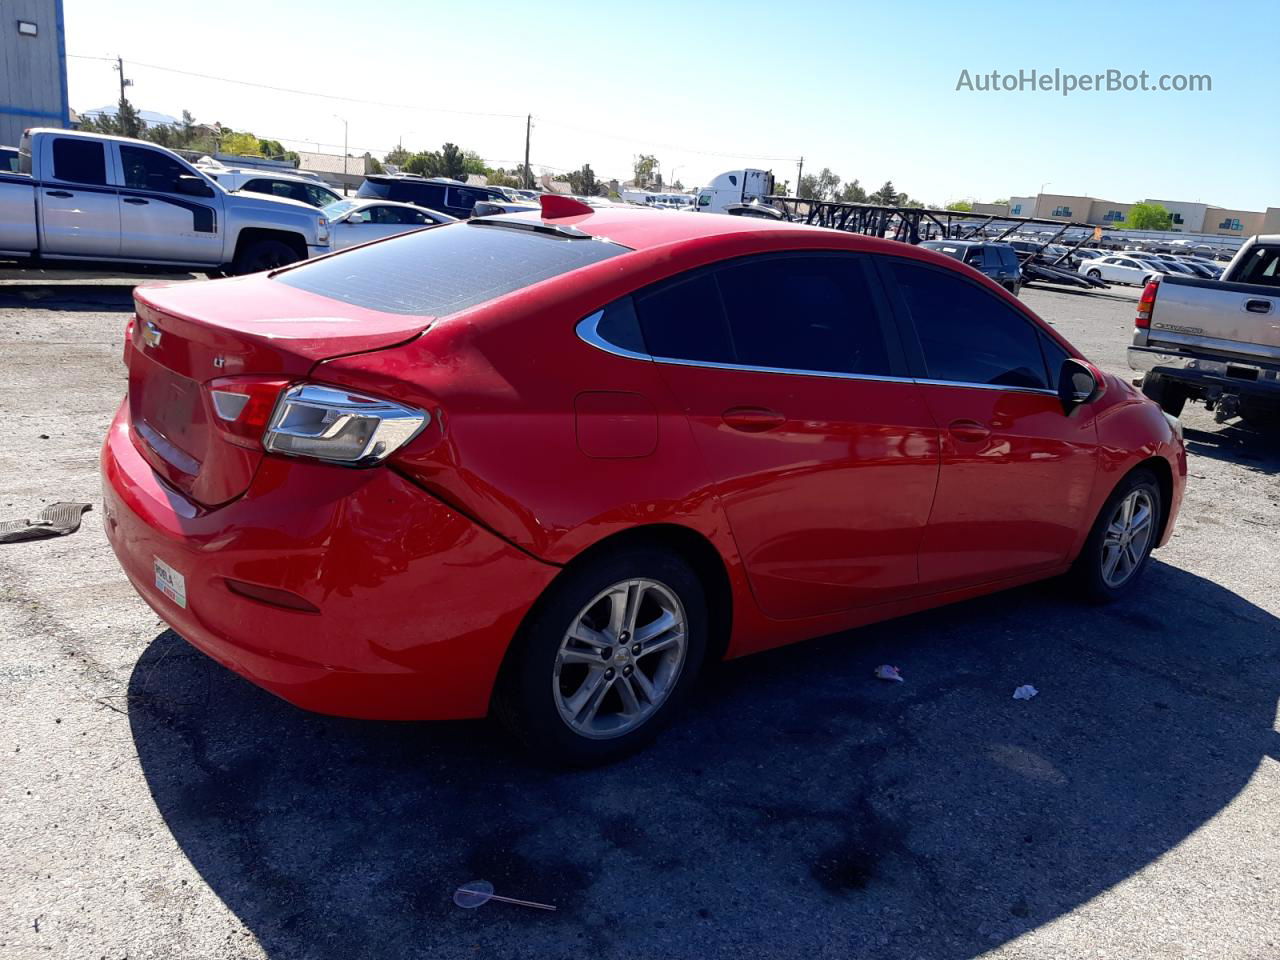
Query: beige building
(1187, 217)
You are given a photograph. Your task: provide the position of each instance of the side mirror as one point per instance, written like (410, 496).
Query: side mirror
(1078, 383)
(193, 186)
(356, 216)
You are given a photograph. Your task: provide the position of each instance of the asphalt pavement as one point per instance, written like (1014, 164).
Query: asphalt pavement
(154, 805)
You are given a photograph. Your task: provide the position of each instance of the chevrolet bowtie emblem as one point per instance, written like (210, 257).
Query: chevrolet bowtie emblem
(151, 334)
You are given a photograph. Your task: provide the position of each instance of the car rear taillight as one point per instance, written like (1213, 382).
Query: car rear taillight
(338, 426)
(242, 407)
(1146, 305)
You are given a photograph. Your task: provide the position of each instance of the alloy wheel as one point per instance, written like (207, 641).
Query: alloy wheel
(620, 659)
(1128, 533)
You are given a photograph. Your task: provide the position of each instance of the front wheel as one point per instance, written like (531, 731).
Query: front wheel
(1120, 543)
(264, 255)
(606, 658)
(1094, 274)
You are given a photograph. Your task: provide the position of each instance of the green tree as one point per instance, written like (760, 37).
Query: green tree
(1147, 216)
(964, 206)
(472, 162)
(643, 167)
(371, 164)
(886, 196)
(131, 125)
(425, 163)
(397, 157)
(500, 178)
(852, 192)
(583, 182)
(821, 186)
(241, 144)
(452, 163)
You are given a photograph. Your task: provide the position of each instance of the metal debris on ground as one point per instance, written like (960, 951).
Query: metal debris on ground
(55, 520)
(479, 892)
(886, 672)
(1025, 692)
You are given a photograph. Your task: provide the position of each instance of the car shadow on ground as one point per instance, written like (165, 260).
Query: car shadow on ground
(1253, 449)
(797, 808)
(75, 298)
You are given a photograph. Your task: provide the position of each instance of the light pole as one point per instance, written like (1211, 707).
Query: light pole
(344, 152)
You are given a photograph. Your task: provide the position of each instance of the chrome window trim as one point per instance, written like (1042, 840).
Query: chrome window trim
(787, 371)
(588, 332)
(987, 386)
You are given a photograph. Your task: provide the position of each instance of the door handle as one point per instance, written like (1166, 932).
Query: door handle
(136, 201)
(753, 419)
(60, 194)
(970, 431)
(1258, 306)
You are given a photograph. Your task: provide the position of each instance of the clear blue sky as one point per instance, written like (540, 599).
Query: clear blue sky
(868, 90)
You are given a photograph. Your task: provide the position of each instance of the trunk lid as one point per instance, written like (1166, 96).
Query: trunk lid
(1238, 318)
(187, 335)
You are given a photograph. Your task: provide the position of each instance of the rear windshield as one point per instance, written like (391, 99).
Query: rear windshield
(1261, 266)
(441, 270)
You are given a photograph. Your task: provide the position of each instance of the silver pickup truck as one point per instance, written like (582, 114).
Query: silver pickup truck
(1217, 341)
(87, 197)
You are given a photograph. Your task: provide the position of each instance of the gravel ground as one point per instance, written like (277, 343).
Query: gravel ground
(153, 805)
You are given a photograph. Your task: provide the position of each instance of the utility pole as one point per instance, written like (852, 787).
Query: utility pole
(528, 174)
(799, 175)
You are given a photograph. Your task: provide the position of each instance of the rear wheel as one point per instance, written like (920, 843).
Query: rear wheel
(1120, 543)
(262, 255)
(1094, 274)
(606, 658)
(1171, 396)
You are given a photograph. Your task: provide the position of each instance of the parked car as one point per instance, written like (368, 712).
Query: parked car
(1215, 341)
(359, 221)
(489, 208)
(88, 197)
(433, 193)
(303, 189)
(999, 261)
(1122, 269)
(550, 465)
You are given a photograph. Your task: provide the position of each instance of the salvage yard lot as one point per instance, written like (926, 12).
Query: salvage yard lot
(155, 805)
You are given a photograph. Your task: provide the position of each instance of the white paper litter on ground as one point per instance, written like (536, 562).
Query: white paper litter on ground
(1025, 692)
(886, 672)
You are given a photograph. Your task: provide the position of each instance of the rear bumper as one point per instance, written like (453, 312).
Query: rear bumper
(416, 603)
(1243, 376)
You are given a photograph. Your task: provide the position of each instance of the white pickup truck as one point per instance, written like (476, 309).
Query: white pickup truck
(1217, 341)
(108, 200)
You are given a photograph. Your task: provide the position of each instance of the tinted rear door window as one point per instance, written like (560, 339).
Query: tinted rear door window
(804, 313)
(79, 161)
(438, 272)
(968, 335)
(1262, 267)
(685, 321)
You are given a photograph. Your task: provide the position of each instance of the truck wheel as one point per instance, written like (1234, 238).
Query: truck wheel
(263, 255)
(1172, 397)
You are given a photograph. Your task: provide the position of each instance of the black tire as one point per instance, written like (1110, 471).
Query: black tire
(1263, 419)
(1093, 274)
(1147, 279)
(1171, 396)
(1088, 570)
(525, 699)
(262, 255)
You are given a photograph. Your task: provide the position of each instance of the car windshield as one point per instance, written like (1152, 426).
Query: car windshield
(338, 208)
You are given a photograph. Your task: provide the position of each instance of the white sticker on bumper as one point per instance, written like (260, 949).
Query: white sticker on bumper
(171, 583)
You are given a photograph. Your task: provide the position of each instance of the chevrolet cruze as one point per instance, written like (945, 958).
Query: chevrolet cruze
(548, 465)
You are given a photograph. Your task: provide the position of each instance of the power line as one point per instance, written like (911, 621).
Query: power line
(471, 113)
(305, 93)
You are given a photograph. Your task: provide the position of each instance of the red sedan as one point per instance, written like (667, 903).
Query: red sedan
(549, 466)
